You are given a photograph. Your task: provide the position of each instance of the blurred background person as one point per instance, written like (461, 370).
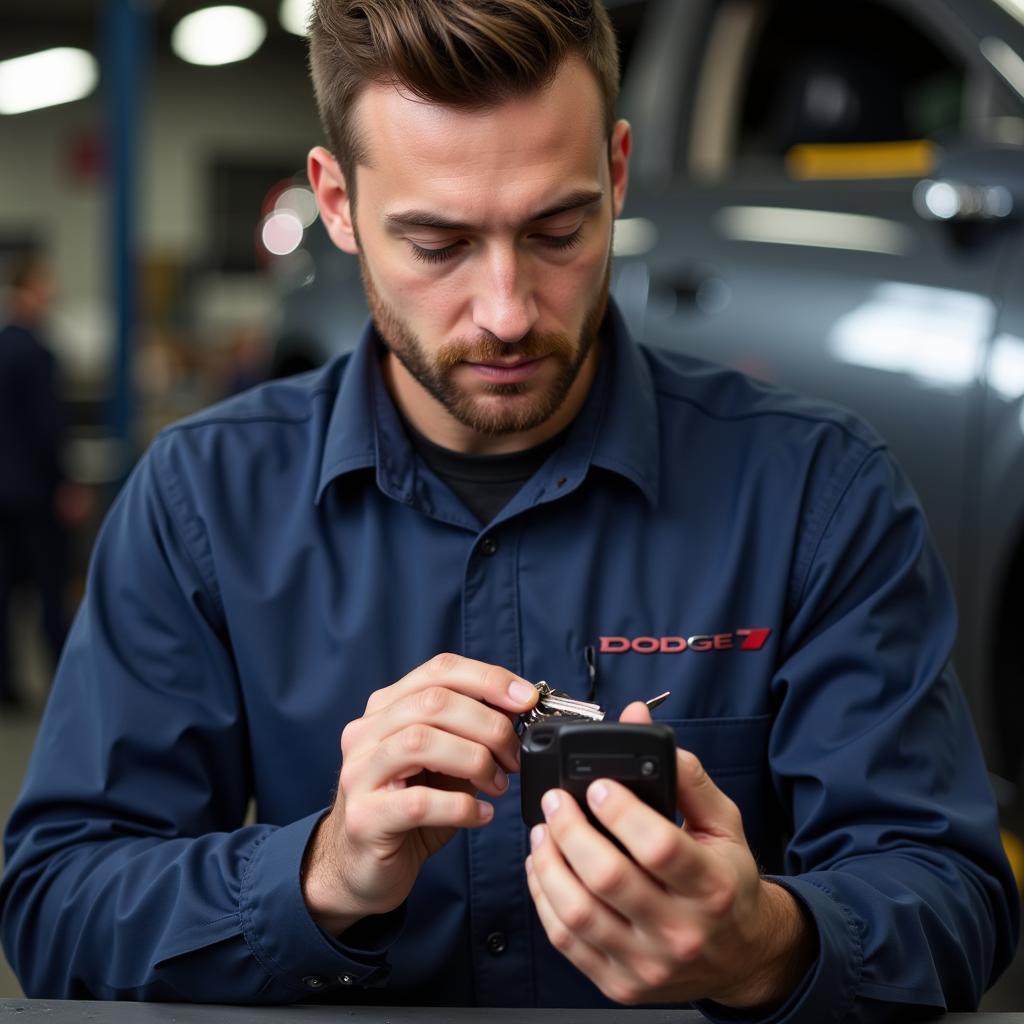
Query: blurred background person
(36, 503)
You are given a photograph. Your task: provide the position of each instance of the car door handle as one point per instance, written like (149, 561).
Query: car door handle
(696, 291)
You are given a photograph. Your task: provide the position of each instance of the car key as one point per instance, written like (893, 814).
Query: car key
(555, 704)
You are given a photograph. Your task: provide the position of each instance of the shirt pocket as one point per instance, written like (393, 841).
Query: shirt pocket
(734, 752)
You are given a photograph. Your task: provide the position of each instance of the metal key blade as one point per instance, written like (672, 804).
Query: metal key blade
(556, 704)
(574, 707)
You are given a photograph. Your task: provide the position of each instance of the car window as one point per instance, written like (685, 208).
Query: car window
(813, 89)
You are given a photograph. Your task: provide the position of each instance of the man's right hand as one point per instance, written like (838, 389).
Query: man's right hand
(411, 767)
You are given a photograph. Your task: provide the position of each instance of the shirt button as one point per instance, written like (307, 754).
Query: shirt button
(488, 545)
(496, 943)
(313, 981)
(346, 979)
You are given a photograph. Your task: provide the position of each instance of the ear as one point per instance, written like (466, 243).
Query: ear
(332, 196)
(619, 149)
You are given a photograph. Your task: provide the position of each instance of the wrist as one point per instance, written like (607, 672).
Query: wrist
(321, 881)
(785, 947)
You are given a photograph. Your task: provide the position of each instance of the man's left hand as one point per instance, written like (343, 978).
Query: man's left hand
(687, 918)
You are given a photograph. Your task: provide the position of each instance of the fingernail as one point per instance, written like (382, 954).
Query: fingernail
(521, 692)
(536, 836)
(549, 802)
(500, 779)
(485, 810)
(597, 793)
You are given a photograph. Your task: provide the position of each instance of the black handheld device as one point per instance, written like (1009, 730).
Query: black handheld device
(569, 755)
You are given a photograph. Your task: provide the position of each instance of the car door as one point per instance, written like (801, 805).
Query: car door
(790, 234)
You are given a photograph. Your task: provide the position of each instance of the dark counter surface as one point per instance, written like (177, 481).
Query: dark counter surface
(56, 1011)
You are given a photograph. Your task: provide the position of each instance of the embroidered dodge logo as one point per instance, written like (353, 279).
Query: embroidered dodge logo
(740, 640)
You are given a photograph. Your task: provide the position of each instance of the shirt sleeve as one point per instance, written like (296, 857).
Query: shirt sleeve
(130, 874)
(895, 850)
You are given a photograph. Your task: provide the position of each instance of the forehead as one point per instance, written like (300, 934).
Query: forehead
(489, 165)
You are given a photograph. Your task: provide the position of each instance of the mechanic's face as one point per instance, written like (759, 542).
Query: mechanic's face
(484, 239)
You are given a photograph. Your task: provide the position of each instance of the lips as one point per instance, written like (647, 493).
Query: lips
(507, 373)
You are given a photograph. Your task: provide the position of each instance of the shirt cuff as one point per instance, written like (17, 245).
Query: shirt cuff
(829, 988)
(286, 940)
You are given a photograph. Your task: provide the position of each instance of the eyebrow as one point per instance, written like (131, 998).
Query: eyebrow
(427, 219)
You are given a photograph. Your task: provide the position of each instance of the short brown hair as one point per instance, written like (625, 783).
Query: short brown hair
(463, 53)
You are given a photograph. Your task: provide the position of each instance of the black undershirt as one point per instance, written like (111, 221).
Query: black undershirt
(484, 483)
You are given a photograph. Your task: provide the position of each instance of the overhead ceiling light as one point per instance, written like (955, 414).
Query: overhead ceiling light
(281, 232)
(46, 78)
(294, 15)
(299, 201)
(218, 35)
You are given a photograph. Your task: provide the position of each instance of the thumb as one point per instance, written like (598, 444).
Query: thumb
(705, 808)
(637, 713)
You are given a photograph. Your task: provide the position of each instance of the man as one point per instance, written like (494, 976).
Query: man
(498, 471)
(32, 536)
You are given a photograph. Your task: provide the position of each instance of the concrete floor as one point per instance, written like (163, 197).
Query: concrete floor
(17, 734)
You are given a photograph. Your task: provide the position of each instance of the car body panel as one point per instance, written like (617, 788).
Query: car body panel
(838, 287)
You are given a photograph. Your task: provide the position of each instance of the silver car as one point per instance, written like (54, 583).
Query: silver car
(830, 196)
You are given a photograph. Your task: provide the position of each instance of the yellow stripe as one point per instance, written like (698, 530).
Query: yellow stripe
(1015, 854)
(912, 159)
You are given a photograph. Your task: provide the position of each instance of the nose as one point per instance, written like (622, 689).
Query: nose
(505, 305)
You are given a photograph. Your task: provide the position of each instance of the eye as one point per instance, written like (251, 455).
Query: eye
(433, 255)
(562, 241)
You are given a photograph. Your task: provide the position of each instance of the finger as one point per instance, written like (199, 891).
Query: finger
(612, 976)
(478, 679)
(592, 962)
(657, 845)
(580, 910)
(604, 869)
(704, 806)
(638, 713)
(444, 709)
(419, 748)
(396, 812)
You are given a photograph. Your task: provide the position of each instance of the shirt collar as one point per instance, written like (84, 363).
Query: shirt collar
(619, 420)
(616, 430)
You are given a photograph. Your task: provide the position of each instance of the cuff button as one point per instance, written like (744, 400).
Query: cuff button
(313, 981)
(346, 979)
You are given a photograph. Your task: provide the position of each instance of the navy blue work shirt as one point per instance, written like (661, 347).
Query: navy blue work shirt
(31, 422)
(276, 559)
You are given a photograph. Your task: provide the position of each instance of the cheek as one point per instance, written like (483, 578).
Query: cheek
(405, 287)
(430, 306)
(572, 289)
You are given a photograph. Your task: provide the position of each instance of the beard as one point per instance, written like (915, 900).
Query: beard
(492, 409)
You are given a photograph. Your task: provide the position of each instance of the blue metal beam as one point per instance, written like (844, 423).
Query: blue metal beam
(127, 45)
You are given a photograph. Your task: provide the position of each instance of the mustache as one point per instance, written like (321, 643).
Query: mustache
(489, 349)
